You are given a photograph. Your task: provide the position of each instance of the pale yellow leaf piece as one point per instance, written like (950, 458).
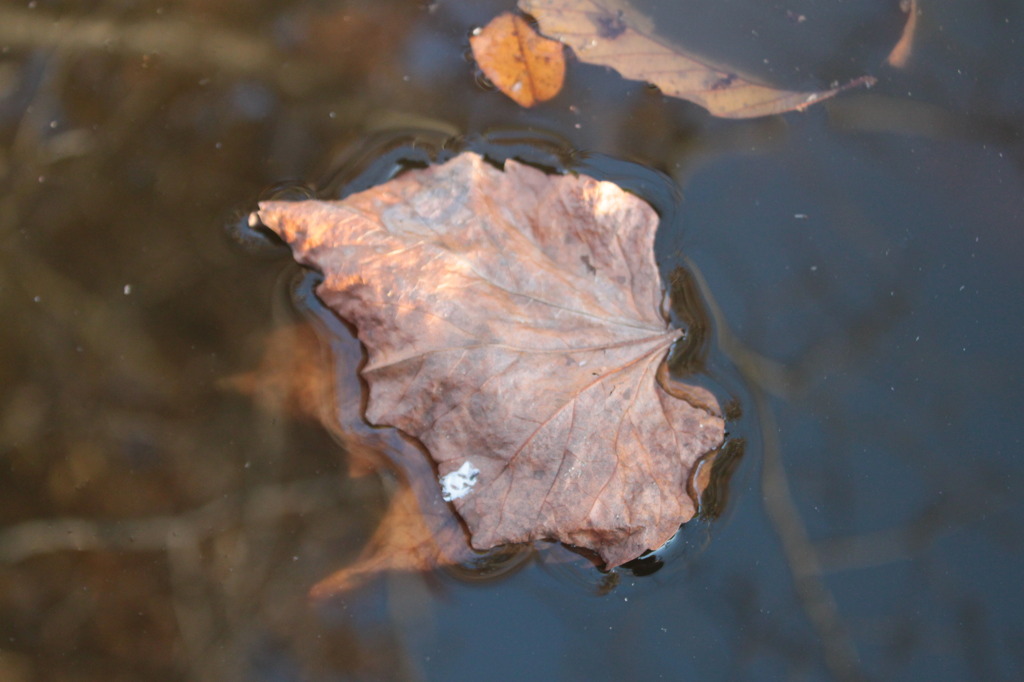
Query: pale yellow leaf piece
(601, 33)
(523, 65)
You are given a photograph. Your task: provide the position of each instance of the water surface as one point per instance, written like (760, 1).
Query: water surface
(860, 263)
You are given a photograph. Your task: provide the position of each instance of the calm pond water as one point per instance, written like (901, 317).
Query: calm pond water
(859, 262)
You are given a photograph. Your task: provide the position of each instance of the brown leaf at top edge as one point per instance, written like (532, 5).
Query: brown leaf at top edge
(513, 323)
(600, 34)
(525, 66)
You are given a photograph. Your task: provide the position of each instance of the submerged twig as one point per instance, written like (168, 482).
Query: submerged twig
(801, 555)
(180, 42)
(158, 533)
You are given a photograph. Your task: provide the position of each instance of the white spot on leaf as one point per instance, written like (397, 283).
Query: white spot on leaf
(459, 482)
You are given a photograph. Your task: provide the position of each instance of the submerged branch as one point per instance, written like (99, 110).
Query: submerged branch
(158, 533)
(182, 43)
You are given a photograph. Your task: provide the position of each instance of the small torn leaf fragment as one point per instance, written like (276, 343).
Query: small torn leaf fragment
(601, 33)
(513, 321)
(525, 66)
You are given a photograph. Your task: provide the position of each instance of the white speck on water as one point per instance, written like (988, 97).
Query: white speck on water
(127, 289)
(458, 483)
(800, 216)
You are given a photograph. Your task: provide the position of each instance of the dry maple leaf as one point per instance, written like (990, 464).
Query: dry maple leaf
(599, 32)
(523, 65)
(513, 324)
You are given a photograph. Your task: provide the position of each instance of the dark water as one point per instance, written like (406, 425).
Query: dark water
(860, 263)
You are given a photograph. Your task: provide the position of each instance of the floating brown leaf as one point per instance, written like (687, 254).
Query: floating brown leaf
(513, 324)
(601, 33)
(525, 66)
